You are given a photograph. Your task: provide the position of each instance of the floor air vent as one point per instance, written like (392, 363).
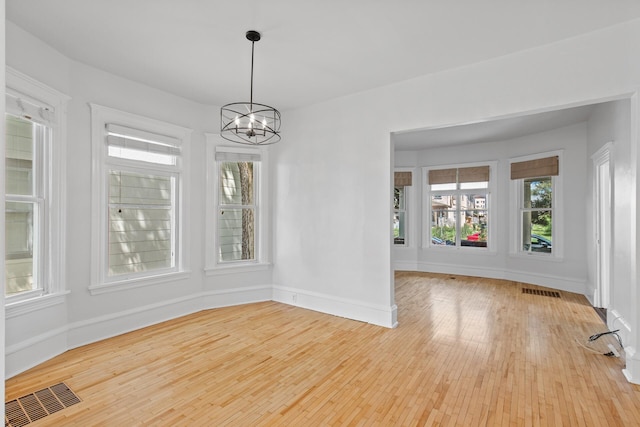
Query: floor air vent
(553, 294)
(32, 407)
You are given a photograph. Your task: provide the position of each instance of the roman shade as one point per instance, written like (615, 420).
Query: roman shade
(473, 174)
(548, 166)
(453, 175)
(402, 179)
(442, 176)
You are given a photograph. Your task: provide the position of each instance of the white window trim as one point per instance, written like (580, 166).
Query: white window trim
(515, 219)
(263, 236)
(491, 190)
(54, 274)
(100, 117)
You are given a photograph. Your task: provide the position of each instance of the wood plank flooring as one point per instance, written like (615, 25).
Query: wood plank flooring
(468, 352)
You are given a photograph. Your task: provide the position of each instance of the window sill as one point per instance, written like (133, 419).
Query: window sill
(138, 282)
(237, 268)
(535, 256)
(462, 249)
(18, 308)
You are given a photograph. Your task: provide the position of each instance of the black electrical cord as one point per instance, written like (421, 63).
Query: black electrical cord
(614, 333)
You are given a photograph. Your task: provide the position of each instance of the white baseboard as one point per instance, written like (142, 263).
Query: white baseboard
(28, 353)
(34, 351)
(351, 309)
(561, 283)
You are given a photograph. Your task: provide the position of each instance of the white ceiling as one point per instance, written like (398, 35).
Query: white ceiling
(490, 131)
(310, 51)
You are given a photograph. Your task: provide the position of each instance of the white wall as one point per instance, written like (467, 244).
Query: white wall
(36, 336)
(333, 172)
(567, 273)
(2, 177)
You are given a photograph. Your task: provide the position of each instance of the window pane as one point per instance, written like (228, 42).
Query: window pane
(398, 228)
(236, 234)
(143, 156)
(19, 243)
(140, 222)
(443, 227)
(537, 231)
(473, 231)
(236, 183)
(472, 185)
(537, 193)
(443, 187)
(398, 198)
(19, 156)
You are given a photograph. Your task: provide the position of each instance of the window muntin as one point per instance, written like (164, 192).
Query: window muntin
(25, 202)
(236, 218)
(536, 215)
(459, 215)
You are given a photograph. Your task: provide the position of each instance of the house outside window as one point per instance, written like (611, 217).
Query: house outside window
(459, 207)
(34, 202)
(535, 183)
(139, 199)
(25, 205)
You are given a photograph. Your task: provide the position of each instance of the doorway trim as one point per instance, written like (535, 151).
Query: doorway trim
(602, 215)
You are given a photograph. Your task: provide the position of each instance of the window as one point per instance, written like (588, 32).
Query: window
(459, 207)
(401, 181)
(138, 200)
(535, 181)
(236, 209)
(25, 204)
(237, 225)
(34, 171)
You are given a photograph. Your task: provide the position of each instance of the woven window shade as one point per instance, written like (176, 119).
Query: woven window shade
(474, 174)
(402, 179)
(535, 168)
(442, 176)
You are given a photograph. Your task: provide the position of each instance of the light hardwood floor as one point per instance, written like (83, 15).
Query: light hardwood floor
(468, 351)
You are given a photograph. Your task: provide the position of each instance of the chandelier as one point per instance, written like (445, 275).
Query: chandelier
(250, 123)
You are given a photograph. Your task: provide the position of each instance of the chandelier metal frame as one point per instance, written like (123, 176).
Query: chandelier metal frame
(250, 123)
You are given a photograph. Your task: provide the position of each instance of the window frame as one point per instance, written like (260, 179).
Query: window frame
(103, 163)
(517, 208)
(51, 194)
(262, 236)
(490, 208)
